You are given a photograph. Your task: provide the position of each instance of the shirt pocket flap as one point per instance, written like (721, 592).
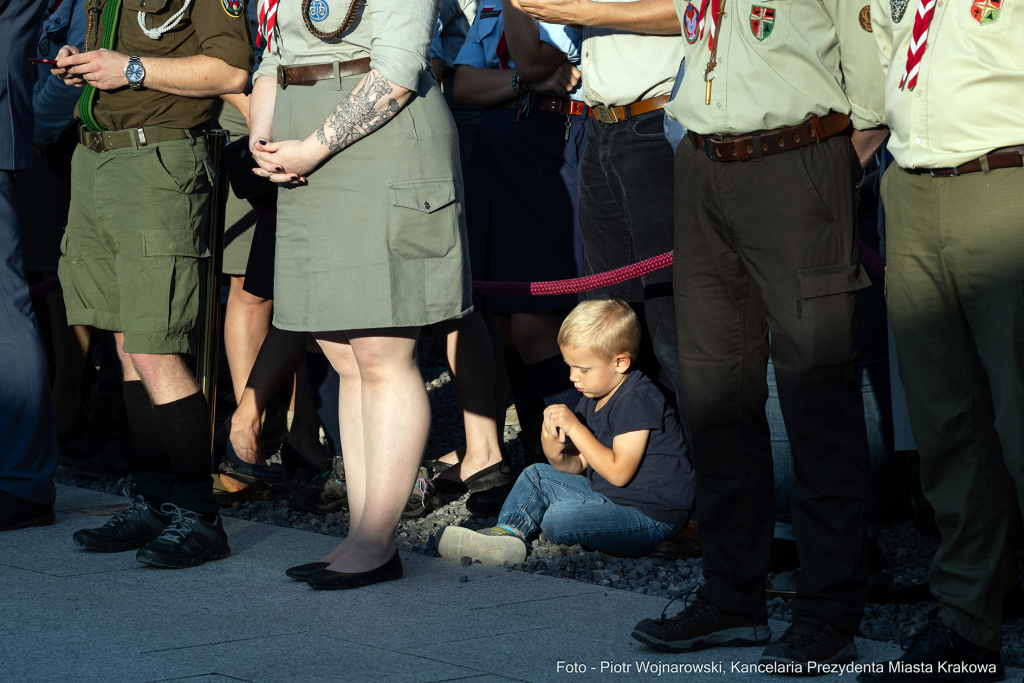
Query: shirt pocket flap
(829, 280)
(427, 196)
(150, 6)
(174, 243)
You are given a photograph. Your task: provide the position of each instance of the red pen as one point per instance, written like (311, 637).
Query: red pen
(43, 61)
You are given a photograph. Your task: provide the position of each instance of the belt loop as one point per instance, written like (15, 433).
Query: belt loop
(337, 75)
(741, 149)
(819, 130)
(984, 164)
(756, 140)
(135, 142)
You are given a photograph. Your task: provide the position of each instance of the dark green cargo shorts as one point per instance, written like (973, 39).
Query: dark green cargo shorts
(132, 253)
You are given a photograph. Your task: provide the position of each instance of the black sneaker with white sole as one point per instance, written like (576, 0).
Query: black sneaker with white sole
(701, 624)
(188, 541)
(326, 493)
(136, 525)
(809, 645)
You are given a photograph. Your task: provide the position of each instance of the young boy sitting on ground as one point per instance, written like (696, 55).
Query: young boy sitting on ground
(619, 479)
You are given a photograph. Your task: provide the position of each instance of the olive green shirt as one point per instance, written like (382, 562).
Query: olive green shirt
(969, 97)
(394, 34)
(207, 28)
(803, 58)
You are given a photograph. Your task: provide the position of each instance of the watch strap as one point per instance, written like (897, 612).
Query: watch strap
(111, 17)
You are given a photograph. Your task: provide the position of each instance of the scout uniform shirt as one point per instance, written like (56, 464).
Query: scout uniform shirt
(394, 34)
(779, 63)
(968, 98)
(53, 100)
(214, 28)
(453, 26)
(621, 68)
(485, 44)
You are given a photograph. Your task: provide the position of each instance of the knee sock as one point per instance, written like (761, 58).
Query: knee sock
(529, 405)
(155, 479)
(185, 429)
(551, 378)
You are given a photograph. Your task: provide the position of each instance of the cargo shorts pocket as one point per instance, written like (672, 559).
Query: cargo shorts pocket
(423, 218)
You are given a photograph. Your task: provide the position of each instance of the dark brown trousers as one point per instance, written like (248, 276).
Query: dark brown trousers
(772, 245)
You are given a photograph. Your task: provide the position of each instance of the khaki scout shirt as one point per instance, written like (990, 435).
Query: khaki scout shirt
(805, 58)
(969, 97)
(208, 28)
(394, 34)
(622, 68)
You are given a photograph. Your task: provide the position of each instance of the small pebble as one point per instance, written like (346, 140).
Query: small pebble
(463, 579)
(466, 560)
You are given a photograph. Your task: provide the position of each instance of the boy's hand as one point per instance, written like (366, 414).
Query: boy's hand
(559, 422)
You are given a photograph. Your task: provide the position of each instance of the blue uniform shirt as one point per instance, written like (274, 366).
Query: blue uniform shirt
(481, 47)
(54, 101)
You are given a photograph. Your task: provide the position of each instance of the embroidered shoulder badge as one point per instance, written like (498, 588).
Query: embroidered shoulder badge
(44, 46)
(318, 10)
(898, 8)
(762, 21)
(234, 8)
(986, 11)
(865, 18)
(691, 23)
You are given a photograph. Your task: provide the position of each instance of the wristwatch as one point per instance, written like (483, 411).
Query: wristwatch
(135, 73)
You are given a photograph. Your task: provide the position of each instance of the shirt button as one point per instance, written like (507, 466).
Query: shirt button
(426, 205)
(917, 141)
(587, 55)
(142, 4)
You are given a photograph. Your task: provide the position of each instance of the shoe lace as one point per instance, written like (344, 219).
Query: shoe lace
(133, 505)
(806, 629)
(769, 612)
(176, 530)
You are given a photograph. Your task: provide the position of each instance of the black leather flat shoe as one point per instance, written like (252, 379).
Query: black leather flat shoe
(246, 469)
(304, 572)
(487, 478)
(329, 581)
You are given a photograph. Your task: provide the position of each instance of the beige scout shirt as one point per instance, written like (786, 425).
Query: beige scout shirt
(394, 34)
(805, 58)
(622, 68)
(969, 97)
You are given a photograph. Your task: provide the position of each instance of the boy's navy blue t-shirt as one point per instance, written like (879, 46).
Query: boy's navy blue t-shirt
(663, 487)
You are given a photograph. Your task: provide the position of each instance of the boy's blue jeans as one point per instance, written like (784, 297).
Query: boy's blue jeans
(566, 511)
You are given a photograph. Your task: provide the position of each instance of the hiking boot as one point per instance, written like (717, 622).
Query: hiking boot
(421, 500)
(810, 640)
(493, 546)
(188, 541)
(936, 654)
(326, 493)
(701, 625)
(136, 525)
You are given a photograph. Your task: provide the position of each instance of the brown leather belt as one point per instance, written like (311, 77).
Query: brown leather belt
(555, 105)
(754, 146)
(619, 114)
(1004, 157)
(309, 74)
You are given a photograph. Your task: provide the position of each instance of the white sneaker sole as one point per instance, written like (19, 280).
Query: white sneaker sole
(457, 542)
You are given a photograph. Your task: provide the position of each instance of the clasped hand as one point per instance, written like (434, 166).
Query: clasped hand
(559, 422)
(103, 69)
(288, 161)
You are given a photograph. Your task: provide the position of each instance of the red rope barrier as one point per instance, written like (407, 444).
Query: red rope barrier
(870, 258)
(44, 287)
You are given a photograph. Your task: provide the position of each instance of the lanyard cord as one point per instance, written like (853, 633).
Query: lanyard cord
(155, 33)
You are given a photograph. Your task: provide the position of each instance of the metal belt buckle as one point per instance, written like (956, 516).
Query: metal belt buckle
(708, 139)
(604, 114)
(282, 77)
(956, 172)
(95, 141)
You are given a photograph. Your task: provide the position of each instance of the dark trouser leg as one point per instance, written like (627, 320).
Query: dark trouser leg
(27, 427)
(723, 355)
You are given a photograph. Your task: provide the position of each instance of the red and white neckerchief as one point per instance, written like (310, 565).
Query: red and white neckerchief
(702, 18)
(918, 43)
(502, 50)
(267, 15)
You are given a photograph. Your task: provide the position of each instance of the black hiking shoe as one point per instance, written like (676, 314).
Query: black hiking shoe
(188, 541)
(701, 625)
(809, 645)
(135, 526)
(326, 492)
(937, 654)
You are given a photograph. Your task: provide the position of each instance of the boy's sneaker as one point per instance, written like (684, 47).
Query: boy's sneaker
(811, 639)
(493, 546)
(136, 525)
(188, 541)
(701, 625)
(326, 492)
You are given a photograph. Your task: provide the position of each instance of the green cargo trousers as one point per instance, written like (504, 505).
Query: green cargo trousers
(955, 288)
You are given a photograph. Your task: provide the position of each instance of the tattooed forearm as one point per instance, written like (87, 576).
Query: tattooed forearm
(373, 103)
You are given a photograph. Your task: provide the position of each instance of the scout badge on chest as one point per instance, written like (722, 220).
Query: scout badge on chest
(762, 21)
(691, 24)
(898, 8)
(318, 11)
(234, 8)
(986, 11)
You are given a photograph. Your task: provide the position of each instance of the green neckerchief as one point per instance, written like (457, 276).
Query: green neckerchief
(111, 15)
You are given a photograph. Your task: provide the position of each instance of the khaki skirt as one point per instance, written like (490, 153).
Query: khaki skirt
(377, 238)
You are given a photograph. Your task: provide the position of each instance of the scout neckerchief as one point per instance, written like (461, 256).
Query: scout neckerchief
(267, 11)
(111, 15)
(918, 43)
(717, 12)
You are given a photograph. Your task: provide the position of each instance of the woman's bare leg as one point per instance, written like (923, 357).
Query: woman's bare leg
(395, 425)
(246, 324)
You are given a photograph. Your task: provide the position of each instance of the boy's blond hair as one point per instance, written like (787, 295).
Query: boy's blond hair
(604, 327)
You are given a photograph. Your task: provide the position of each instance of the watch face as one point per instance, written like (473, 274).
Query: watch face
(135, 73)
